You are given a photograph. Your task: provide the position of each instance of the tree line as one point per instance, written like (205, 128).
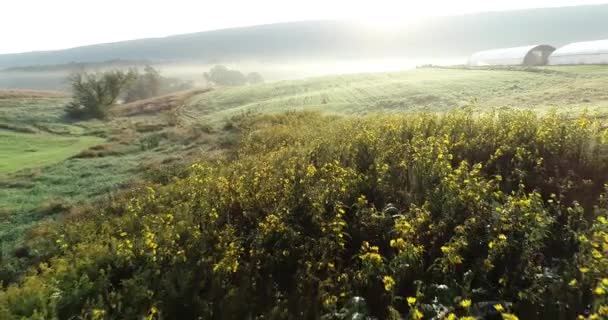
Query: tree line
(94, 92)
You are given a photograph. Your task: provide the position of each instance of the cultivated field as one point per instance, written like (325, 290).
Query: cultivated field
(567, 89)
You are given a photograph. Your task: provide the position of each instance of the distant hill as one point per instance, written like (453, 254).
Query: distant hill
(75, 66)
(435, 37)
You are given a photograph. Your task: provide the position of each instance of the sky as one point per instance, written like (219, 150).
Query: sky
(32, 25)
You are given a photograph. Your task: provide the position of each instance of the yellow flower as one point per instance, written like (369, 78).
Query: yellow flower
(594, 316)
(573, 283)
(389, 282)
(599, 291)
(372, 257)
(502, 237)
(411, 300)
(499, 307)
(398, 244)
(451, 316)
(370, 253)
(466, 303)
(151, 314)
(417, 314)
(603, 311)
(311, 170)
(509, 316)
(584, 270)
(596, 254)
(98, 312)
(330, 301)
(605, 281)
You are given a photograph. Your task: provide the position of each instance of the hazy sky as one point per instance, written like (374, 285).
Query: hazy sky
(27, 25)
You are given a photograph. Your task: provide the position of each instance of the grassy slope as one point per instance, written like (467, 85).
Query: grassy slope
(49, 163)
(127, 155)
(566, 88)
(22, 150)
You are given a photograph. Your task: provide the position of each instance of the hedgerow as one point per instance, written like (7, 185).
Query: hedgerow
(390, 217)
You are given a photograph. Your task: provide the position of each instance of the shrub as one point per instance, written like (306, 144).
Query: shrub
(221, 75)
(391, 216)
(146, 85)
(151, 84)
(254, 78)
(93, 93)
(53, 207)
(152, 141)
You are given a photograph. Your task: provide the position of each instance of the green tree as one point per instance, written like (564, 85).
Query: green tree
(93, 93)
(254, 77)
(146, 85)
(221, 75)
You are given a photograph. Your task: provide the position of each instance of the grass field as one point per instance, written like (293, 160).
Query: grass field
(49, 164)
(568, 89)
(22, 150)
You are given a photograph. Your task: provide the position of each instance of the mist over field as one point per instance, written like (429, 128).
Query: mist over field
(271, 71)
(315, 48)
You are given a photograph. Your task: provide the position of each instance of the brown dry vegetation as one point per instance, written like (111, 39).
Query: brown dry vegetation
(102, 150)
(157, 104)
(17, 94)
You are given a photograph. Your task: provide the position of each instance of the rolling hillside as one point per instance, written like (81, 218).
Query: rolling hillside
(566, 89)
(226, 204)
(437, 37)
(151, 138)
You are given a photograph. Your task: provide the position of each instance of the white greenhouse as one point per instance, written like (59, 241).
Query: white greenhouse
(590, 52)
(535, 55)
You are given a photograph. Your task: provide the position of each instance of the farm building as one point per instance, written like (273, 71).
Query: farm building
(590, 52)
(535, 55)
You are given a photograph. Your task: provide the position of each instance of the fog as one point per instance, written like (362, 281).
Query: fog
(56, 80)
(271, 71)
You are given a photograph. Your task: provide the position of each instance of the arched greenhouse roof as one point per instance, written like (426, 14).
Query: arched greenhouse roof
(589, 52)
(527, 55)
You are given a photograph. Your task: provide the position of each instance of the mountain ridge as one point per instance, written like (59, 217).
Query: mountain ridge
(435, 37)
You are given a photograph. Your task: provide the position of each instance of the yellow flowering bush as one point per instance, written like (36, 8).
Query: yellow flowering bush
(455, 216)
